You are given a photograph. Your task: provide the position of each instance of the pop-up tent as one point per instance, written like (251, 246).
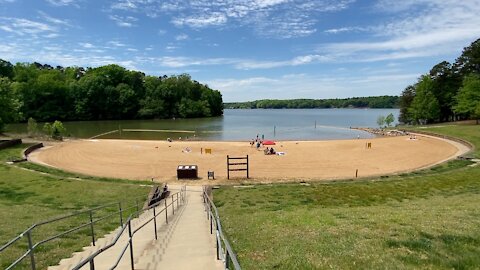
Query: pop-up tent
(268, 143)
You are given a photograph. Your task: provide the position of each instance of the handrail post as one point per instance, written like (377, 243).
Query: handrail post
(211, 225)
(136, 202)
(177, 200)
(92, 265)
(91, 227)
(120, 211)
(131, 242)
(155, 222)
(218, 244)
(166, 211)
(173, 206)
(227, 259)
(30, 247)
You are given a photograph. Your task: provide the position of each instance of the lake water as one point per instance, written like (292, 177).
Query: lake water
(277, 124)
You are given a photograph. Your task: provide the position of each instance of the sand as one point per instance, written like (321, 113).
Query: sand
(303, 160)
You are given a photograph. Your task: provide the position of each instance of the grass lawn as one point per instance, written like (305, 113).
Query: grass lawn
(422, 220)
(28, 197)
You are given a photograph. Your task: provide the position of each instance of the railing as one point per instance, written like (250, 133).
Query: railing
(224, 250)
(127, 227)
(28, 232)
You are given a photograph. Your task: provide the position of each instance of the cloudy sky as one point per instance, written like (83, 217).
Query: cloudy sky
(248, 49)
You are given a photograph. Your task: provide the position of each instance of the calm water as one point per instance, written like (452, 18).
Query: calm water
(287, 124)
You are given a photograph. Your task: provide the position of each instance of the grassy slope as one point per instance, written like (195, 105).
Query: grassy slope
(29, 197)
(428, 220)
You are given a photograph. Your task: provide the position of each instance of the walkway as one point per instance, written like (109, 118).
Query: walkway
(184, 243)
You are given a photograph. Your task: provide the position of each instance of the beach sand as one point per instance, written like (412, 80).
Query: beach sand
(303, 160)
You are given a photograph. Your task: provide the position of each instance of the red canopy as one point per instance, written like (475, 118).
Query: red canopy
(268, 143)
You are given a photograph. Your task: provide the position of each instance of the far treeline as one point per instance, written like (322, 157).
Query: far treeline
(46, 93)
(355, 102)
(448, 92)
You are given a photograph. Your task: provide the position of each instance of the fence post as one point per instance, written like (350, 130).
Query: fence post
(173, 206)
(155, 222)
(91, 227)
(120, 211)
(136, 202)
(131, 243)
(227, 259)
(217, 238)
(211, 225)
(177, 200)
(30, 247)
(92, 265)
(166, 211)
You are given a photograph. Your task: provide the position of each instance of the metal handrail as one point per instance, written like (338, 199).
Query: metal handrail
(90, 259)
(28, 232)
(226, 253)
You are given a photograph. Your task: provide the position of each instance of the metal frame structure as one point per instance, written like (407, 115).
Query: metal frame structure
(176, 197)
(224, 250)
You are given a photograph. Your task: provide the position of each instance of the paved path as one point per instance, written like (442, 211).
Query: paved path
(184, 243)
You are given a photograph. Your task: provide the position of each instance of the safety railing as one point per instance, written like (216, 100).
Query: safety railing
(224, 250)
(110, 210)
(126, 228)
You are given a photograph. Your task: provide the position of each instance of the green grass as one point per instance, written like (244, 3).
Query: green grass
(423, 220)
(28, 197)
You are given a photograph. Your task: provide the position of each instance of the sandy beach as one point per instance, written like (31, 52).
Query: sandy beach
(302, 160)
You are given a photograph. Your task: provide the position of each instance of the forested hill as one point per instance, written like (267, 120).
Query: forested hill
(355, 102)
(48, 93)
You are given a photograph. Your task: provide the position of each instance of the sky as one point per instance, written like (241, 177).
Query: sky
(248, 49)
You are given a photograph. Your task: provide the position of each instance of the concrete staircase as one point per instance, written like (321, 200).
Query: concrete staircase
(184, 243)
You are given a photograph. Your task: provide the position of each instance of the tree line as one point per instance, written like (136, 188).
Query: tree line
(46, 93)
(354, 102)
(449, 92)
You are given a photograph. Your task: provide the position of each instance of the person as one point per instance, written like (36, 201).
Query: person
(165, 188)
(272, 151)
(258, 145)
(169, 140)
(266, 151)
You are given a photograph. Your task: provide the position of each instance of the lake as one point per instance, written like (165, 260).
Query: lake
(277, 124)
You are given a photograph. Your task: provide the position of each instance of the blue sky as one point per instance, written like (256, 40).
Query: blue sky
(248, 49)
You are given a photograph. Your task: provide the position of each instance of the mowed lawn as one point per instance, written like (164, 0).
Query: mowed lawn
(29, 197)
(422, 220)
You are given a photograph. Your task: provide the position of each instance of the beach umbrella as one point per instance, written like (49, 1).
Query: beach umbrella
(268, 143)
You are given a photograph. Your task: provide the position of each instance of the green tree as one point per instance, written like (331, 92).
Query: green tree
(389, 119)
(56, 130)
(468, 98)
(406, 100)
(381, 120)
(6, 69)
(469, 61)
(32, 127)
(424, 107)
(9, 104)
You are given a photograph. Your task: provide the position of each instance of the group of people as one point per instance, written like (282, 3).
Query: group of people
(257, 142)
(269, 151)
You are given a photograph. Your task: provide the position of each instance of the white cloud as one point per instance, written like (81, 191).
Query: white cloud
(310, 86)
(53, 20)
(269, 18)
(438, 28)
(213, 19)
(60, 3)
(86, 45)
(116, 43)
(181, 37)
(25, 27)
(121, 21)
